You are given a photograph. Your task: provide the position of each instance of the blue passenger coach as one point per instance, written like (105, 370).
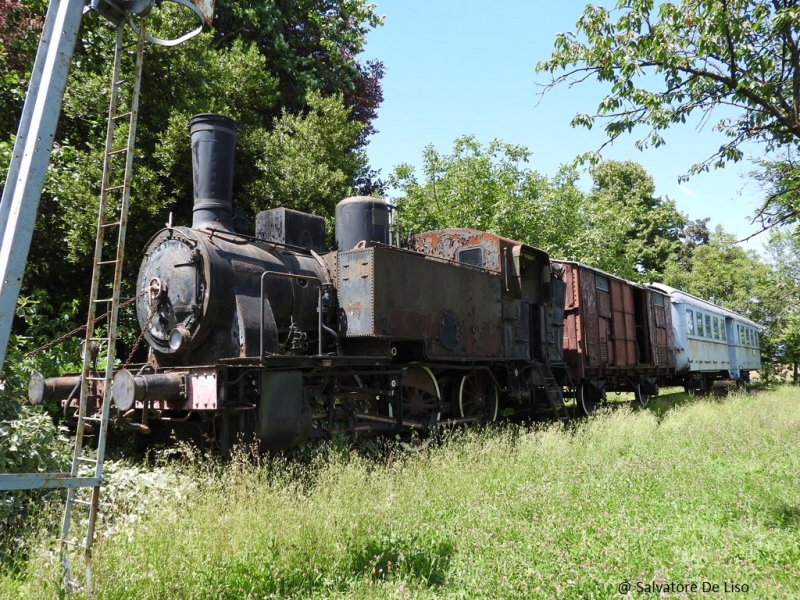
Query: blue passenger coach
(710, 342)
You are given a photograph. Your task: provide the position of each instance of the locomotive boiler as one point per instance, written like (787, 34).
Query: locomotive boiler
(273, 336)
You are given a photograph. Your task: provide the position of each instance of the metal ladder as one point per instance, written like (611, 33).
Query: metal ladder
(553, 391)
(95, 399)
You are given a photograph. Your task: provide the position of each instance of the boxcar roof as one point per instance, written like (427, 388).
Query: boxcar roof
(605, 274)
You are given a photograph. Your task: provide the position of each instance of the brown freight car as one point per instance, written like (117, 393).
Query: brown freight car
(617, 335)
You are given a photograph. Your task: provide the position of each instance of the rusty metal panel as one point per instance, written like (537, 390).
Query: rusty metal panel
(454, 310)
(202, 385)
(390, 293)
(589, 317)
(206, 7)
(660, 328)
(624, 330)
(449, 244)
(574, 354)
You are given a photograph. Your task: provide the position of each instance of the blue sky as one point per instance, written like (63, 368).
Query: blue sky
(468, 67)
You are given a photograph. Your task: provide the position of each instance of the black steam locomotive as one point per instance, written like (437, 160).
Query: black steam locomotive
(273, 336)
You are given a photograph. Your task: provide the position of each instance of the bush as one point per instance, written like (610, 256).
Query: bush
(30, 443)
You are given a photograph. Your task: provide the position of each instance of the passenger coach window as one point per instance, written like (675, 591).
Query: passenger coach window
(699, 324)
(716, 328)
(722, 330)
(741, 334)
(690, 320)
(708, 326)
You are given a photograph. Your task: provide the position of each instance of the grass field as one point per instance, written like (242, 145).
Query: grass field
(705, 493)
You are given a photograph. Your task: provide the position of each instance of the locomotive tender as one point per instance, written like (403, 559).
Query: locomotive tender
(274, 337)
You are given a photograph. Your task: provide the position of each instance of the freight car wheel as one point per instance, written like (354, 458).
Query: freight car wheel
(589, 396)
(644, 398)
(478, 397)
(420, 399)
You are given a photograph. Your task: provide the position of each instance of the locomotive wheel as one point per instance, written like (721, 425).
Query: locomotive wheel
(478, 397)
(419, 396)
(589, 396)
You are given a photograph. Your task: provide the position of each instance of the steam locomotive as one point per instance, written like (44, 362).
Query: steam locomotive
(272, 336)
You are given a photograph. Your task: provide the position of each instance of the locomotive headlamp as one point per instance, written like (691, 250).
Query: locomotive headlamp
(178, 338)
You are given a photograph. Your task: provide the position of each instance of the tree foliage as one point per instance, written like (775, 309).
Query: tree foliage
(725, 274)
(306, 162)
(736, 61)
(780, 182)
(619, 226)
(287, 72)
(783, 251)
(490, 188)
(631, 233)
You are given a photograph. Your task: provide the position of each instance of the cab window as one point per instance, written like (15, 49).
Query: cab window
(471, 256)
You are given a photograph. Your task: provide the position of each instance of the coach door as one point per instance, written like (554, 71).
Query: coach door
(733, 347)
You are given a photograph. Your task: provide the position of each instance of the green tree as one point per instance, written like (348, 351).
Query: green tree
(20, 26)
(780, 181)
(783, 251)
(725, 274)
(694, 234)
(490, 188)
(738, 60)
(306, 161)
(631, 233)
(287, 72)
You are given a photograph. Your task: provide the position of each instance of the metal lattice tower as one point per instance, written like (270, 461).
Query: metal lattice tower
(18, 209)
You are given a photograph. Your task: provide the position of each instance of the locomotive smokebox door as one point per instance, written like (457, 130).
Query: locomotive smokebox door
(284, 415)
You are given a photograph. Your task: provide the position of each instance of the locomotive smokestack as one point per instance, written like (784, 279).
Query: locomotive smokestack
(213, 147)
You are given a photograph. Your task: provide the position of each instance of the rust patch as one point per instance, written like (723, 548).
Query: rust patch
(449, 244)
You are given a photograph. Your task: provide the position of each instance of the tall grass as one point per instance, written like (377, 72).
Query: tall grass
(706, 492)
